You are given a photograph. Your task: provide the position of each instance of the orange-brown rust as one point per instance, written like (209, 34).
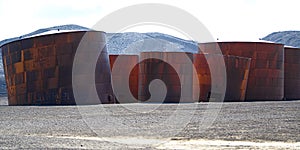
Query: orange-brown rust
(266, 62)
(38, 70)
(162, 66)
(237, 69)
(132, 66)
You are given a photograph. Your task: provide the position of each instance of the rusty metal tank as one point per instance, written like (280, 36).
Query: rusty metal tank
(38, 70)
(266, 75)
(174, 69)
(291, 73)
(125, 74)
(237, 70)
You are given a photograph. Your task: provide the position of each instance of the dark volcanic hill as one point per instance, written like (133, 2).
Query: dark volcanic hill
(289, 38)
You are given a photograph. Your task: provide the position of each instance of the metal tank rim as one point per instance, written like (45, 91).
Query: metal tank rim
(45, 35)
(260, 41)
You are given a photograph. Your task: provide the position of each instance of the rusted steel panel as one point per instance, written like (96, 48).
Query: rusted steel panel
(291, 73)
(237, 69)
(38, 70)
(119, 76)
(204, 76)
(266, 61)
(174, 69)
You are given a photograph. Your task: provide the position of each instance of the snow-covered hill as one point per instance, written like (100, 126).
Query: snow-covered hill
(133, 43)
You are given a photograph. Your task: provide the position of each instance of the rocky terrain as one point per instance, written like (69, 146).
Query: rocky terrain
(289, 38)
(246, 125)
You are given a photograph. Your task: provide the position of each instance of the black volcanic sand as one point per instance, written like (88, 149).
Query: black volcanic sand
(269, 125)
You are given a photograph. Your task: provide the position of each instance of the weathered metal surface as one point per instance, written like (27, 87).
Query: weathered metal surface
(237, 70)
(266, 74)
(291, 73)
(120, 76)
(38, 70)
(174, 69)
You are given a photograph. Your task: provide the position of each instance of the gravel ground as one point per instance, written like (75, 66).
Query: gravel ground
(253, 125)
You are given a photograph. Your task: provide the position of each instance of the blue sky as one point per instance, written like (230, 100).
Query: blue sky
(225, 19)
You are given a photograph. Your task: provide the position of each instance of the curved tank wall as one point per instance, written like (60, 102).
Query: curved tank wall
(127, 64)
(291, 73)
(266, 75)
(174, 69)
(204, 77)
(38, 70)
(237, 70)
